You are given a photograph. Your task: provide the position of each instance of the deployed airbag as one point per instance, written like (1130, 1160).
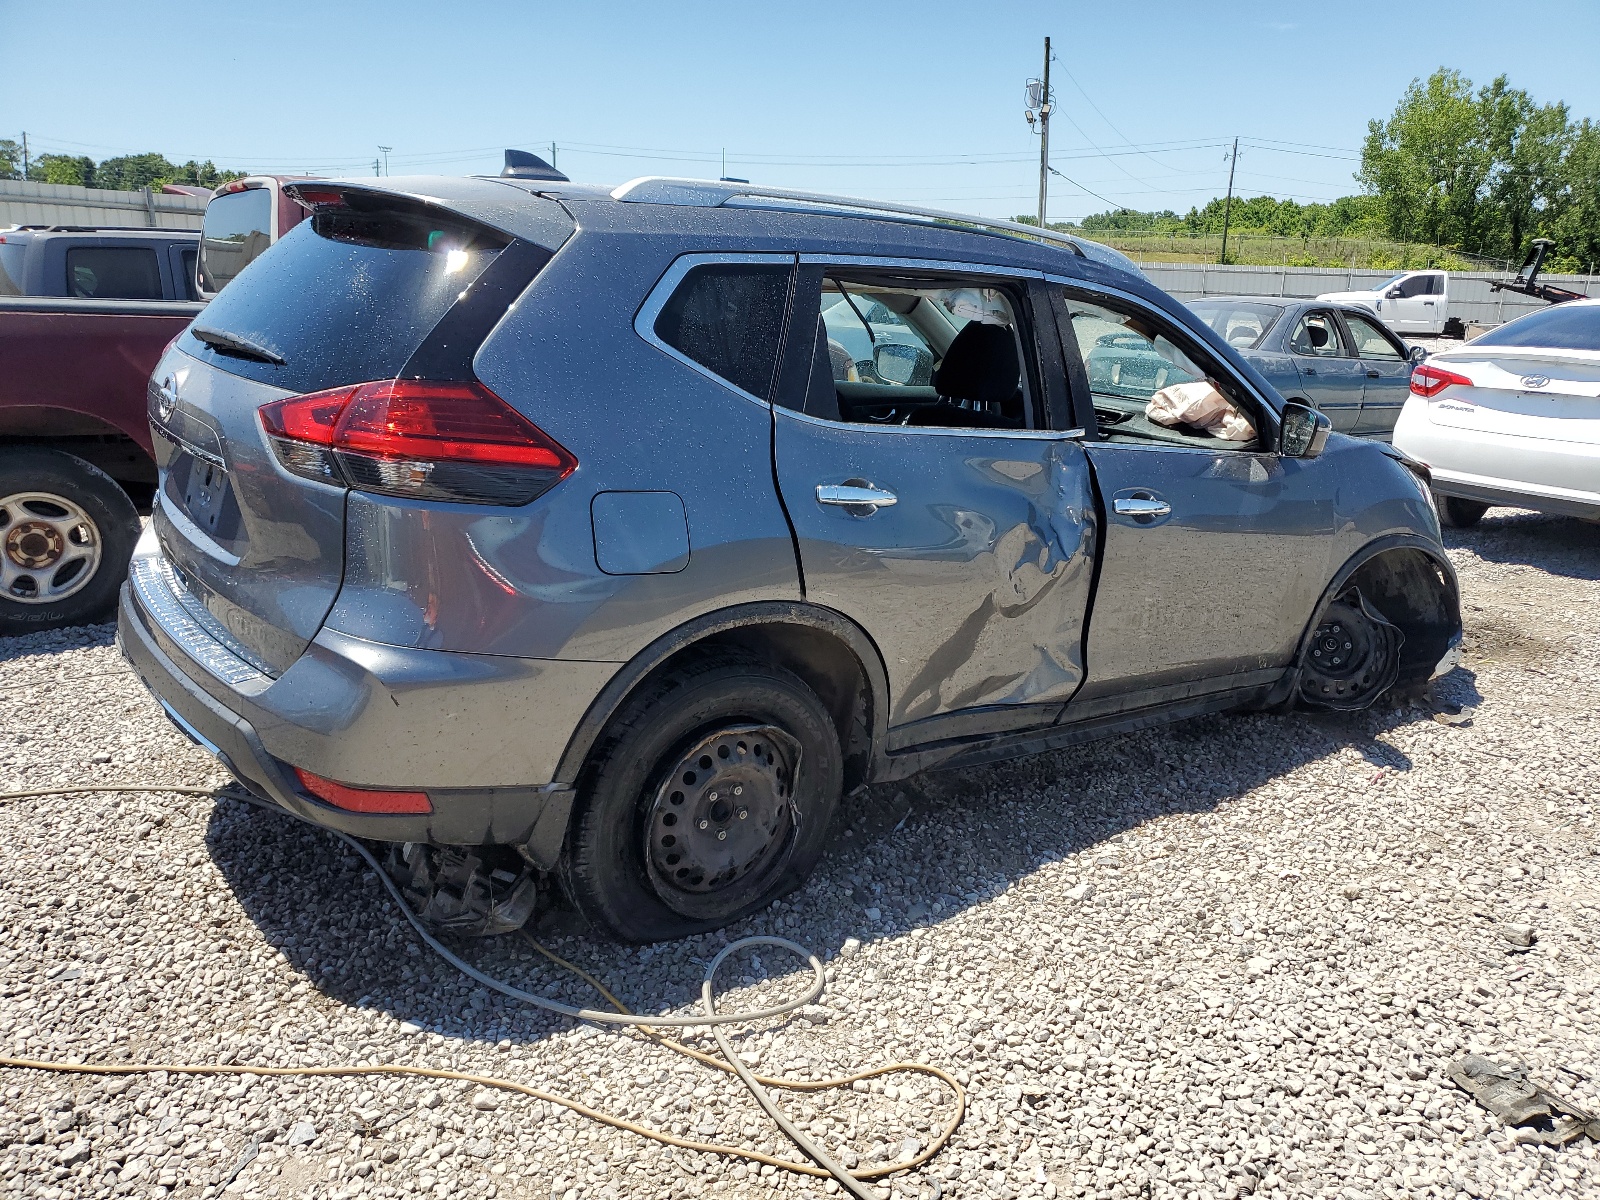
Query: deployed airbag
(1200, 405)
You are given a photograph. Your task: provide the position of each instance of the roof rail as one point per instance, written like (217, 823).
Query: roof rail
(706, 193)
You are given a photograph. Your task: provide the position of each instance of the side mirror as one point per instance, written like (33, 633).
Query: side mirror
(1394, 293)
(898, 363)
(1303, 431)
(1417, 353)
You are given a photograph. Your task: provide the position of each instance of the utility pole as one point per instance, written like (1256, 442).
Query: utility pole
(24, 153)
(1044, 137)
(384, 150)
(553, 154)
(1227, 207)
(376, 165)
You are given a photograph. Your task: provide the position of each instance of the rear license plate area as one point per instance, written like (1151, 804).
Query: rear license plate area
(202, 490)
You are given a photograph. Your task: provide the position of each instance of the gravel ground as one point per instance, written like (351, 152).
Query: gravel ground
(1226, 957)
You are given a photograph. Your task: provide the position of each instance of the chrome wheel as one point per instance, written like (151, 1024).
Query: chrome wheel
(49, 548)
(721, 820)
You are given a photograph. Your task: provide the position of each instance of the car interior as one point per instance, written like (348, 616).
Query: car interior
(1135, 363)
(894, 352)
(1317, 336)
(1242, 325)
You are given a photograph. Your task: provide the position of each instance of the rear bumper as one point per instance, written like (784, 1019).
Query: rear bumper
(1497, 469)
(478, 736)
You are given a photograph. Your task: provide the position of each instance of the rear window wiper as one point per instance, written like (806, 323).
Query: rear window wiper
(231, 343)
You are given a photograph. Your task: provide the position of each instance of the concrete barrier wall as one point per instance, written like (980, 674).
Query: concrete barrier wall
(1470, 297)
(26, 203)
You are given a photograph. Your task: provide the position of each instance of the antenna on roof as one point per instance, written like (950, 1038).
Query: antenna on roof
(522, 165)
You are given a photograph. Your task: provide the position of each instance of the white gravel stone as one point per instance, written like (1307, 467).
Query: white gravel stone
(1127, 1044)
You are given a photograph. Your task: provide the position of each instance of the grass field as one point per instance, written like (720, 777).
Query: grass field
(1264, 250)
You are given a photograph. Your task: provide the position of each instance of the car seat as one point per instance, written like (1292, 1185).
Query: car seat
(979, 382)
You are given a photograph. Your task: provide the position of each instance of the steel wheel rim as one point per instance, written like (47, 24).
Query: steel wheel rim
(722, 821)
(1348, 657)
(50, 548)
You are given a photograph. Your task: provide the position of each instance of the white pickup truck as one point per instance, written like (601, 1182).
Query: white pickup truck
(1413, 302)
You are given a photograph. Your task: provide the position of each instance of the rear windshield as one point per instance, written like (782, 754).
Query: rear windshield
(345, 297)
(237, 228)
(1241, 324)
(1561, 327)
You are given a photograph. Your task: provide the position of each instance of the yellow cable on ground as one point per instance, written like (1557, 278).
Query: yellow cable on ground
(853, 1182)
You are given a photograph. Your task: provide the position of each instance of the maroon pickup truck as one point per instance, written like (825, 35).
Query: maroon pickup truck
(75, 454)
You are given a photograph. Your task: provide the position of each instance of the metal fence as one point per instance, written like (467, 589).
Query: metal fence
(1470, 296)
(26, 203)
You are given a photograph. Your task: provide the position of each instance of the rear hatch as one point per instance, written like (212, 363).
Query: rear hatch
(362, 292)
(1523, 393)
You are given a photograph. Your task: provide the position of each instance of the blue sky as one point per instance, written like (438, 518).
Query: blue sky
(917, 102)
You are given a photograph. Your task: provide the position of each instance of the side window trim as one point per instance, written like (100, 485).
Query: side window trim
(644, 321)
(1377, 328)
(1266, 427)
(1335, 320)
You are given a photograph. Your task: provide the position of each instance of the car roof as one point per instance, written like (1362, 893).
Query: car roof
(821, 219)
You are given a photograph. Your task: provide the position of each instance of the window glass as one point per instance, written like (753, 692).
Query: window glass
(237, 228)
(1146, 386)
(899, 352)
(347, 297)
(1317, 335)
(1242, 325)
(728, 317)
(12, 255)
(1435, 285)
(113, 273)
(1561, 327)
(1417, 285)
(190, 288)
(1371, 341)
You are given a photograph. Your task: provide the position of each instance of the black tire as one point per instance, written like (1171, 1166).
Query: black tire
(27, 539)
(777, 746)
(1456, 513)
(1351, 658)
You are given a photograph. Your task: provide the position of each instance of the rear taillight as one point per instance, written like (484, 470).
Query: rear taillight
(1428, 380)
(422, 439)
(363, 800)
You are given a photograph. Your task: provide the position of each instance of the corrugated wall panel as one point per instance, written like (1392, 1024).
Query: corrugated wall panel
(23, 202)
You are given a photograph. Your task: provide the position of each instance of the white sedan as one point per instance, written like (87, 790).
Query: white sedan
(1512, 417)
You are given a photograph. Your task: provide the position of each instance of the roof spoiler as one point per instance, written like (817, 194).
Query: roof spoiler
(522, 165)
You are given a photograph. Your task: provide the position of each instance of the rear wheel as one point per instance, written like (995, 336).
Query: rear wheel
(709, 797)
(67, 531)
(1457, 513)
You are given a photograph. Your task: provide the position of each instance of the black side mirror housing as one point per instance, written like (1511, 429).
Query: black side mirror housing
(1303, 431)
(1417, 353)
(1393, 293)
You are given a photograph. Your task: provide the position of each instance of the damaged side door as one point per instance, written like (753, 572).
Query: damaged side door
(963, 542)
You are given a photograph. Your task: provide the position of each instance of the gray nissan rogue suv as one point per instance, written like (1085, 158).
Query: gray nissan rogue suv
(631, 530)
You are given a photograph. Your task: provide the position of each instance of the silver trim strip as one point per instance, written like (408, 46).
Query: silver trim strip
(919, 264)
(201, 636)
(1037, 435)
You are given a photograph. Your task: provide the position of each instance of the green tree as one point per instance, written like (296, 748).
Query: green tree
(130, 172)
(62, 168)
(1429, 163)
(10, 159)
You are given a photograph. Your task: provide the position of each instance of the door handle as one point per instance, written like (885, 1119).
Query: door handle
(1309, 370)
(1371, 374)
(855, 496)
(1140, 506)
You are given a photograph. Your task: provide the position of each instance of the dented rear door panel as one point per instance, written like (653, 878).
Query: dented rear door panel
(974, 583)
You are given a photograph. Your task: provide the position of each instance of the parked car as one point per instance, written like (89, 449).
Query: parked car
(1411, 302)
(1512, 417)
(243, 218)
(84, 315)
(1339, 356)
(501, 513)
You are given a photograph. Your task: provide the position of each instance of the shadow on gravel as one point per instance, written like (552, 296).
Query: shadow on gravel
(913, 853)
(1560, 545)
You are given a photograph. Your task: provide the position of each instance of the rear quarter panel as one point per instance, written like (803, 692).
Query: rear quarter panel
(92, 362)
(525, 581)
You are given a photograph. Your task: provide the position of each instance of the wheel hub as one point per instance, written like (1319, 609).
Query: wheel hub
(1354, 654)
(49, 548)
(33, 545)
(722, 815)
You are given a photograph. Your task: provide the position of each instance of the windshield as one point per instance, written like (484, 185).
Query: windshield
(1563, 327)
(1241, 324)
(1388, 283)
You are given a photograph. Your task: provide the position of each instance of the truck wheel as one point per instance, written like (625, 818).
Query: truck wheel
(67, 532)
(1456, 513)
(709, 797)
